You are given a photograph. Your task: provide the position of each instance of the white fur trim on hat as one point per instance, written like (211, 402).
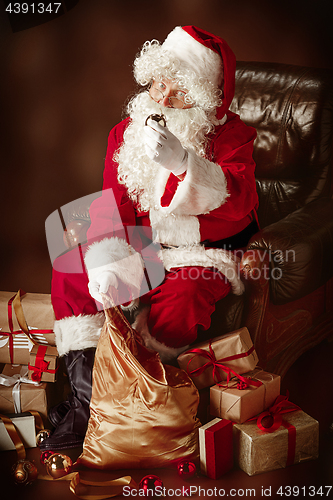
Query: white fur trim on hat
(203, 189)
(78, 332)
(203, 61)
(117, 256)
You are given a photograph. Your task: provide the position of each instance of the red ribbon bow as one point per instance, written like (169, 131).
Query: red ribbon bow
(41, 366)
(219, 364)
(281, 405)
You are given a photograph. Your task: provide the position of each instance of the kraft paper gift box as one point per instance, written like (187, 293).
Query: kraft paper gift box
(27, 395)
(238, 405)
(22, 314)
(203, 362)
(258, 450)
(43, 363)
(216, 448)
(24, 424)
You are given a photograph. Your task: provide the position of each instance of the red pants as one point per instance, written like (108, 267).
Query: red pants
(184, 300)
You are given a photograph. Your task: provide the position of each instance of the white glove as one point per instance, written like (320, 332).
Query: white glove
(164, 148)
(99, 282)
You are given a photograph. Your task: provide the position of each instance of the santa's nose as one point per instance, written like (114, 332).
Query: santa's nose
(165, 99)
(165, 103)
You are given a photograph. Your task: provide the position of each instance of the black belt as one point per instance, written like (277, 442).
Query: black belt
(238, 240)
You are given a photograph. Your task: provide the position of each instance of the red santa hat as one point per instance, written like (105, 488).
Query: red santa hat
(208, 55)
(197, 50)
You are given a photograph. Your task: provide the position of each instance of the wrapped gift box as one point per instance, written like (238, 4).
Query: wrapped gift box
(234, 350)
(43, 363)
(24, 424)
(216, 448)
(38, 318)
(257, 451)
(31, 396)
(238, 405)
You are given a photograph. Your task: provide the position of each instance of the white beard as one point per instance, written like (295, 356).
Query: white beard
(135, 169)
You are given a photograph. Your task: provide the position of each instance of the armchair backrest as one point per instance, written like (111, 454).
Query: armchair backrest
(291, 108)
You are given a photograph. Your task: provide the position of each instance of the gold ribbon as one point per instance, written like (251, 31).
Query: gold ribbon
(94, 490)
(20, 316)
(110, 488)
(39, 425)
(10, 428)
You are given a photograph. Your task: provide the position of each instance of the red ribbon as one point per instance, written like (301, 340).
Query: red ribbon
(16, 332)
(41, 366)
(281, 405)
(219, 364)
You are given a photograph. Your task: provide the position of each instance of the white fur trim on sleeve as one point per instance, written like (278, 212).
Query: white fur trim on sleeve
(117, 256)
(203, 189)
(179, 230)
(78, 332)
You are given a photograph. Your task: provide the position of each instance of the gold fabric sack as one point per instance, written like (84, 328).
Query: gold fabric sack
(142, 413)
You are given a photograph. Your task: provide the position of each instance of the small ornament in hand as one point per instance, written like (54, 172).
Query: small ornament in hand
(157, 118)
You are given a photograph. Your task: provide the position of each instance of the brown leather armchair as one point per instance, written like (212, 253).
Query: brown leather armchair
(287, 267)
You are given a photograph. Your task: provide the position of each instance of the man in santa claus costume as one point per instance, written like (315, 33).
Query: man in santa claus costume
(186, 177)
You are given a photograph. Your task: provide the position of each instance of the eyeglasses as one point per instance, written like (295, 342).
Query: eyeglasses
(177, 101)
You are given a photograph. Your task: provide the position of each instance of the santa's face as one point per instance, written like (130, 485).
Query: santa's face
(169, 94)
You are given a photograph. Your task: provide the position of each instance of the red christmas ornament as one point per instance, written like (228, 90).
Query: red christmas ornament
(24, 472)
(267, 421)
(151, 485)
(186, 470)
(45, 456)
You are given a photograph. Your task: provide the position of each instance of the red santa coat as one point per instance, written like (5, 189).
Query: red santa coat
(215, 201)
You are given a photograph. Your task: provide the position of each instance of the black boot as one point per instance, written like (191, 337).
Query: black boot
(57, 413)
(75, 412)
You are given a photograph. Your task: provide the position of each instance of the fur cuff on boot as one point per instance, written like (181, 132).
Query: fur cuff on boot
(78, 332)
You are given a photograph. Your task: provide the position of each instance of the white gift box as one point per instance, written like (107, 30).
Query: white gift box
(25, 425)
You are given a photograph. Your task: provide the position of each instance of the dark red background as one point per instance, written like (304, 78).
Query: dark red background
(63, 85)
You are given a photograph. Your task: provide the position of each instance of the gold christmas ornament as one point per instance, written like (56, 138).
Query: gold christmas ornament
(43, 434)
(58, 465)
(24, 472)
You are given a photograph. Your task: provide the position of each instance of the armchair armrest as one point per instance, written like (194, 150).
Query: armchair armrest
(298, 249)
